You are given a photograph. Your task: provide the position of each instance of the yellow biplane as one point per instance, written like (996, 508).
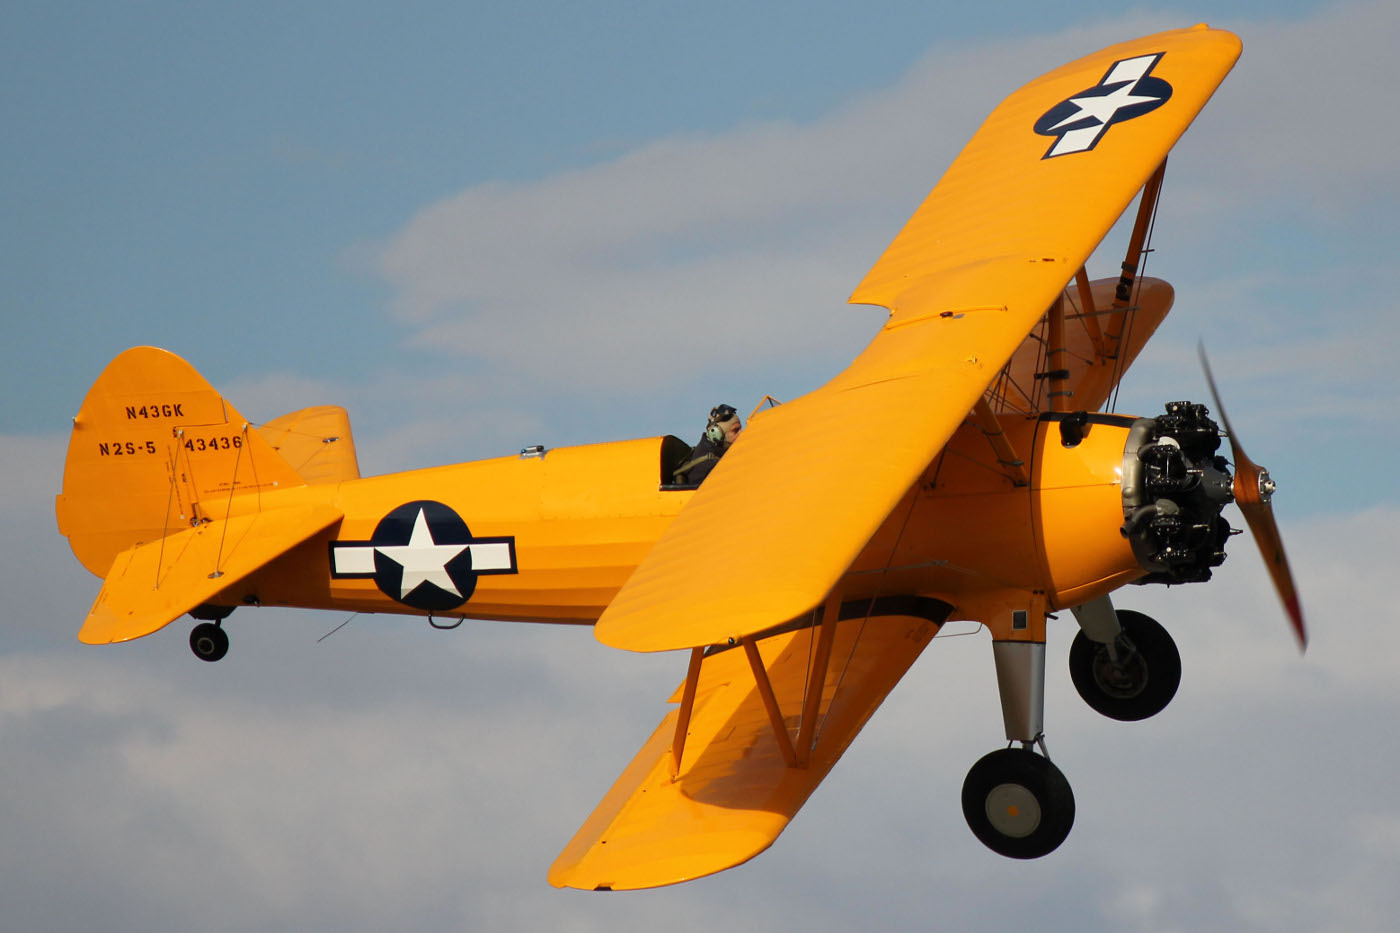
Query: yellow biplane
(976, 480)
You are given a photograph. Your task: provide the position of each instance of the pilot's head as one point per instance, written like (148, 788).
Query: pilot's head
(724, 425)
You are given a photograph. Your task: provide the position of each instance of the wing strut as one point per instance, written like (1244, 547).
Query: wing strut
(816, 680)
(692, 679)
(1147, 206)
(1056, 372)
(1088, 316)
(770, 702)
(990, 426)
(796, 755)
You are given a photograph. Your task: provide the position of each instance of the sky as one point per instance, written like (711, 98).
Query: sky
(482, 228)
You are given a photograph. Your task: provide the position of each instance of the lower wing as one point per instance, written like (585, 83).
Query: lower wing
(755, 740)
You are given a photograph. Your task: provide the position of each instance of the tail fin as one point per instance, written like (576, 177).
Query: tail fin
(153, 448)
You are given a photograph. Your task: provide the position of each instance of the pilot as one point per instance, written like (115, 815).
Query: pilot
(720, 431)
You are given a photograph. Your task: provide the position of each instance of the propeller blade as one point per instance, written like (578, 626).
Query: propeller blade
(1253, 490)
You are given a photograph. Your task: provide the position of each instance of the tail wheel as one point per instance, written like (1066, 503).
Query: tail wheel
(1134, 681)
(1018, 803)
(208, 641)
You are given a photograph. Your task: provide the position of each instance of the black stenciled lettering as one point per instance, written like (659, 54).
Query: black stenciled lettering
(130, 447)
(154, 410)
(103, 450)
(150, 447)
(222, 442)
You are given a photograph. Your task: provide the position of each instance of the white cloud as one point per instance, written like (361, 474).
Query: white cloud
(691, 253)
(1302, 117)
(734, 251)
(393, 775)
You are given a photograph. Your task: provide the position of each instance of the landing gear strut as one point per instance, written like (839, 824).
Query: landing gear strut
(209, 641)
(1018, 803)
(1132, 677)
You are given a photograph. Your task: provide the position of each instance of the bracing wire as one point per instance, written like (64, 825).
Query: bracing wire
(165, 529)
(855, 643)
(337, 628)
(232, 488)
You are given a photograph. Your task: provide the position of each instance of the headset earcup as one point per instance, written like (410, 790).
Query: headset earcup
(714, 434)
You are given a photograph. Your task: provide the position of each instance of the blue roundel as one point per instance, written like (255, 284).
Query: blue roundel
(422, 556)
(1127, 91)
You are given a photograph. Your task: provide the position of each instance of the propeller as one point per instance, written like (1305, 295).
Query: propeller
(1253, 490)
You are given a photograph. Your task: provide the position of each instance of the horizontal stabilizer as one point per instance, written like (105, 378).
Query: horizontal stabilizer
(153, 584)
(735, 791)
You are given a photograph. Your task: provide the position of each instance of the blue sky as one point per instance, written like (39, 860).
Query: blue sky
(558, 223)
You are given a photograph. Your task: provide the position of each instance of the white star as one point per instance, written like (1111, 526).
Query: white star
(1103, 107)
(423, 559)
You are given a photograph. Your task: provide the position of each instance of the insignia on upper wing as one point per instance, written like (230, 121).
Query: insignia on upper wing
(1127, 91)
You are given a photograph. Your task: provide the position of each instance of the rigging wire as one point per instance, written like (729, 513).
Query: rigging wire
(228, 508)
(170, 497)
(337, 628)
(870, 606)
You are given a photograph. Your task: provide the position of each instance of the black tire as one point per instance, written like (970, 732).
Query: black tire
(208, 641)
(1138, 689)
(1018, 803)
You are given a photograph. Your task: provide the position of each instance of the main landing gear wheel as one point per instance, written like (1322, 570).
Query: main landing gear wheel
(1018, 803)
(1143, 678)
(208, 641)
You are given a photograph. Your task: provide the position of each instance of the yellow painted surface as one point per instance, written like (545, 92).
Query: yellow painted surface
(1092, 377)
(153, 446)
(787, 510)
(153, 584)
(316, 442)
(1077, 511)
(1002, 234)
(733, 794)
(1003, 210)
(581, 519)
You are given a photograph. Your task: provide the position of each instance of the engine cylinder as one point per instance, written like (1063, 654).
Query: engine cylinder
(1175, 485)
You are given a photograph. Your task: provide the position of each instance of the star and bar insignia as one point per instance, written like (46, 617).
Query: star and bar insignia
(1128, 90)
(423, 555)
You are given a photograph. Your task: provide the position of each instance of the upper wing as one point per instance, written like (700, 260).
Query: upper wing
(153, 584)
(1018, 212)
(733, 791)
